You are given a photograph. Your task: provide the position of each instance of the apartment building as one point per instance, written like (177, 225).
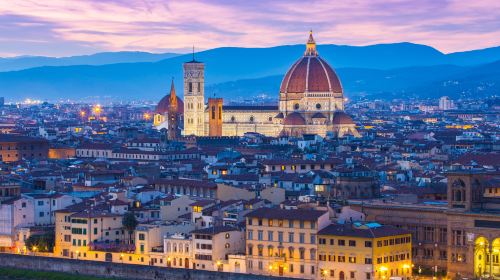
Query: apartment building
(284, 242)
(364, 251)
(212, 246)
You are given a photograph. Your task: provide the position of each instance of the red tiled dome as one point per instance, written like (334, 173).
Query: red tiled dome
(162, 107)
(341, 118)
(310, 74)
(294, 119)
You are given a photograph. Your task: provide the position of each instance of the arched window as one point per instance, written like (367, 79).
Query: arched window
(318, 106)
(296, 106)
(252, 119)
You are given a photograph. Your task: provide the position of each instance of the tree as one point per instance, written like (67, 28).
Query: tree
(129, 223)
(42, 242)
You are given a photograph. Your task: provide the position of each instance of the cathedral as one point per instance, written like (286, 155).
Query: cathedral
(311, 101)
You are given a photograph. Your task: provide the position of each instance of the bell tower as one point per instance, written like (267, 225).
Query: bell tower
(194, 98)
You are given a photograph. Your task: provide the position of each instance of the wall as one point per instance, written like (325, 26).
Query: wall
(104, 269)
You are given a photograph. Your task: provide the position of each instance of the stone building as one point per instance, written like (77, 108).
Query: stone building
(16, 148)
(461, 237)
(311, 101)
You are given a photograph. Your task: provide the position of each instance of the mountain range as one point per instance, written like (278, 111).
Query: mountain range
(384, 70)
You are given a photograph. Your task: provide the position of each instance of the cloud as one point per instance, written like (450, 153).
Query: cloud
(162, 25)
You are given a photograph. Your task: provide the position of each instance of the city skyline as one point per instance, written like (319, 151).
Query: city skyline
(85, 27)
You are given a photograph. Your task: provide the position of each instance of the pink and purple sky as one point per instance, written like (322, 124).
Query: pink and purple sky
(72, 27)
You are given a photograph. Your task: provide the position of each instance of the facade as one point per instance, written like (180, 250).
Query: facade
(16, 148)
(212, 246)
(461, 237)
(283, 242)
(15, 214)
(311, 101)
(364, 251)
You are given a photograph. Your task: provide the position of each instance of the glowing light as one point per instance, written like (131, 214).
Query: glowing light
(383, 268)
(82, 113)
(97, 109)
(147, 116)
(270, 267)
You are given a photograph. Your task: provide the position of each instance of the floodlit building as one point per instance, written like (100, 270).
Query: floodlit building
(364, 251)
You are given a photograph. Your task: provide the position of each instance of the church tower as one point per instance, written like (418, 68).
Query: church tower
(194, 98)
(173, 131)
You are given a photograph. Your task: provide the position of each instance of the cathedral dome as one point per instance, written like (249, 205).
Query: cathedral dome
(163, 105)
(294, 119)
(310, 73)
(341, 118)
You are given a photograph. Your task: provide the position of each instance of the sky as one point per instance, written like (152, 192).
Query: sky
(73, 27)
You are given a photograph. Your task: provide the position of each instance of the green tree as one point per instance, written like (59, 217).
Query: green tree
(42, 242)
(129, 223)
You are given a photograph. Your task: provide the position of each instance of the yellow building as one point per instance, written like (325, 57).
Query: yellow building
(364, 251)
(81, 231)
(283, 242)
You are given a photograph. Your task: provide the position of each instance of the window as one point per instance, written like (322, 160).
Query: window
(318, 106)
(280, 236)
(290, 237)
(352, 243)
(290, 223)
(368, 244)
(250, 235)
(368, 261)
(40, 203)
(341, 259)
(341, 242)
(332, 241)
(250, 221)
(368, 275)
(296, 106)
(260, 235)
(270, 235)
(352, 259)
(142, 236)
(302, 237)
(301, 224)
(313, 239)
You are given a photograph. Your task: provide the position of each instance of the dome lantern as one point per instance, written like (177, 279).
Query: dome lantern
(311, 46)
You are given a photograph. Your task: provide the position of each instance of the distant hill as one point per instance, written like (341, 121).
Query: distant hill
(242, 72)
(424, 81)
(25, 62)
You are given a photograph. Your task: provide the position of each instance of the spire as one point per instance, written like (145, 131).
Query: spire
(311, 46)
(173, 96)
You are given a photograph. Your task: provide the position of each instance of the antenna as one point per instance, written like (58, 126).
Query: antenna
(193, 52)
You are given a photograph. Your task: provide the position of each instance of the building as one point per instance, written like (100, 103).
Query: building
(311, 101)
(169, 113)
(15, 214)
(16, 148)
(284, 242)
(9, 190)
(445, 103)
(460, 237)
(364, 251)
(212, 246)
